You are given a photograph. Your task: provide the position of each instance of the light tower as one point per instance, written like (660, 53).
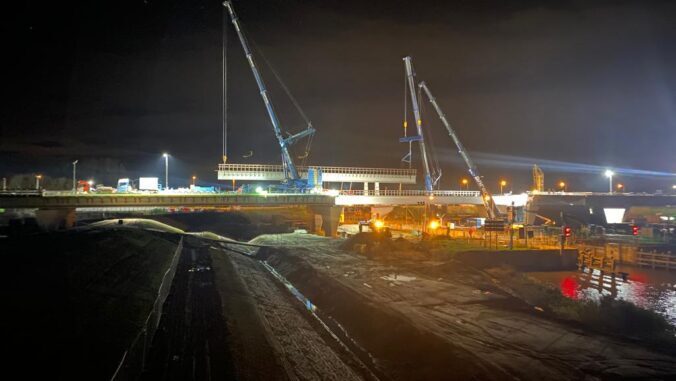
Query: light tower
(609, 174)
(166, 170)
(74, 178)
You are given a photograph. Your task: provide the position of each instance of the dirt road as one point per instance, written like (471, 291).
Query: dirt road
(228, 318)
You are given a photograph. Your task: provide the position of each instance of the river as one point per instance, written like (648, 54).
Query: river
(647, 288)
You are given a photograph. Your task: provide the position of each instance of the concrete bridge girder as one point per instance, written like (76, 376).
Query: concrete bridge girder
(350, 200)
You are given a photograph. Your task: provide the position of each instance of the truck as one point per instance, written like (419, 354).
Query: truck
(124, 185)
(145, 185)
(149, 184)
(83, 186)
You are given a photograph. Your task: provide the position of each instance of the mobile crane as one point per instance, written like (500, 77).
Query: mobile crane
(433, 175)
(293, 179)
(486, 197)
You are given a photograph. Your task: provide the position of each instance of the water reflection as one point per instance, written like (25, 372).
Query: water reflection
(650, 289)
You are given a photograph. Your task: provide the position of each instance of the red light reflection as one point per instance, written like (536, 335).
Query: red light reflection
(569, 287)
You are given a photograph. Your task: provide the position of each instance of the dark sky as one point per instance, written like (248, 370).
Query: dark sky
(523, 83)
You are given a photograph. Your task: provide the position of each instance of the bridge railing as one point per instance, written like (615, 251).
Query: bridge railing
(325, 169)
(396, 192)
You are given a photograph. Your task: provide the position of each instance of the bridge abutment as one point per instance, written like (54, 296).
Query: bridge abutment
(55, 219)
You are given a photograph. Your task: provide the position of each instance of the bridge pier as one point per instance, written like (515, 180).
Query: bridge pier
(55, 219)
(326, 219)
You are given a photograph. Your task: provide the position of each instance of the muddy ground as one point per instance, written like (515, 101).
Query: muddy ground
(436, 319)
(302, 307)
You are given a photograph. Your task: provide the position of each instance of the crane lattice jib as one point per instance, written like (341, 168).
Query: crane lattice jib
(429, 186)
(283, 143)
(486, 197)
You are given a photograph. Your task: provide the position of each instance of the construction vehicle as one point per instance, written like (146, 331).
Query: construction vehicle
(375, 225)
(293, 180)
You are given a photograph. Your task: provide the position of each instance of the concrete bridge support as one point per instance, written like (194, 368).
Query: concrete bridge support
(326, 219)
(55, 219)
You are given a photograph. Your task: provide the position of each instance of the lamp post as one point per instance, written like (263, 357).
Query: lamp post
(609, 174)
(74, 178)
(562, 185)
(502, 184)
(465, 182)
(37, 182)
(193, 180)
(166, 170)
(620, 188)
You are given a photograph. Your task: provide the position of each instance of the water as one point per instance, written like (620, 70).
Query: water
(650, 289)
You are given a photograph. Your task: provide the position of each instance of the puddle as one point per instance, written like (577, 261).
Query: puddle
(398, 278)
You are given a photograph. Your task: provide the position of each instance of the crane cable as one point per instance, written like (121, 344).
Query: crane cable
(295, 103)
(225, 87)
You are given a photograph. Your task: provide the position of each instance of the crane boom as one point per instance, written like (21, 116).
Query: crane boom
(287, 162)
(486, 197)
(429, 183)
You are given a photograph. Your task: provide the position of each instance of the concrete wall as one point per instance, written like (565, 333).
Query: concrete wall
(522, 260)
(55, 219)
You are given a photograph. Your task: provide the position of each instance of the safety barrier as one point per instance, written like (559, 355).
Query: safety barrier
(656, 260)
(396, 192)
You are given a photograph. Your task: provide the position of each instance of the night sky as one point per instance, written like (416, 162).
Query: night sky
(523, 83)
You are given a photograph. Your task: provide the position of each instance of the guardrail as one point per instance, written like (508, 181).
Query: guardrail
(656, 260)
(393, 192)
(20, 192)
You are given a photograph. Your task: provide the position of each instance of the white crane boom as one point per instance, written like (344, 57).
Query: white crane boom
(486, 196)
(429, 181)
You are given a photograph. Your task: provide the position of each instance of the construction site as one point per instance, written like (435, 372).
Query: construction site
(301, 271)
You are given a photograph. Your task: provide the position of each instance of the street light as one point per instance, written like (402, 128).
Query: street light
(74, 178)
(193, 180)
(166, 170)
(609, 174)
(37, 182)
(562, 185)
(502, 184)
(620, 187)
(465, 182)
